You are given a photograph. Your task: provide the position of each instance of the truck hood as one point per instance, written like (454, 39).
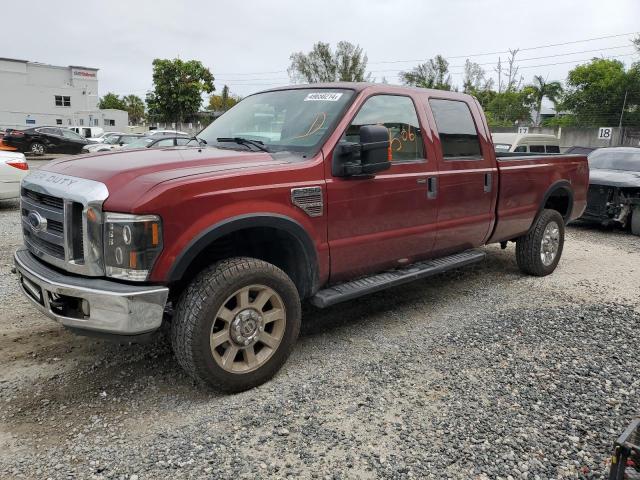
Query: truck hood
(142, 169)
(614, 178)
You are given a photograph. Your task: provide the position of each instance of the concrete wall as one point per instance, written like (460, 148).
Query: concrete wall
(584, 136)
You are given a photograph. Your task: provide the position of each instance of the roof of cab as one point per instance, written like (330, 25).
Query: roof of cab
(360, 86)
(512, 138)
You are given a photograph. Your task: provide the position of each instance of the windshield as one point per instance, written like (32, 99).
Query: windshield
(140, 143)
(502, 147)
(615, 160)
(112, 139)
(295, 120)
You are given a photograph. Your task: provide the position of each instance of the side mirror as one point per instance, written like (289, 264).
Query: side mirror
(366, 158)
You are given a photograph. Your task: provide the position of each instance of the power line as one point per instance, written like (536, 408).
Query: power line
(460, 56)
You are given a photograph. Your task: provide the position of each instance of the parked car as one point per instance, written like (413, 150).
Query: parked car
(105, 135)
(90, 133)
(525, 143)
(614, 187)
(40, 140)
(13, 168)
(113, 142)
(162, 142)
(324, 192)
(165, 133)
(579, 150)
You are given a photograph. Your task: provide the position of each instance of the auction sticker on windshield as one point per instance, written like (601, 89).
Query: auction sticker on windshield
(323, 97)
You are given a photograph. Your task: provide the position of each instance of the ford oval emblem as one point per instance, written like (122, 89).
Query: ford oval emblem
(37, 222)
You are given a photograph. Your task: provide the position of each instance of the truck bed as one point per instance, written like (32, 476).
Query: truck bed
(525, 182)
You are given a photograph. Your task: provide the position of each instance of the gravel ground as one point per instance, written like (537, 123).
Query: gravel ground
(479, 373)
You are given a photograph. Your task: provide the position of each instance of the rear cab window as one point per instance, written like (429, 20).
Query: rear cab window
(456, 129)
(536, 148)
(552, 149)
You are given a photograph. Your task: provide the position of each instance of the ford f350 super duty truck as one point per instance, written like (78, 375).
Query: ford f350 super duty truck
(321, 192)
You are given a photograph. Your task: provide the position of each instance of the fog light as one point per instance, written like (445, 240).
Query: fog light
(84, 305)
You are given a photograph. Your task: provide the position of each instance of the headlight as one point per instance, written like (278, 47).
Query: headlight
(131, 245)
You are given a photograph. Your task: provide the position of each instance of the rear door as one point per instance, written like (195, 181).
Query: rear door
(467, 180)
(387, 220)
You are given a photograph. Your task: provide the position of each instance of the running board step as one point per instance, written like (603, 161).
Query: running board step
(365, 285)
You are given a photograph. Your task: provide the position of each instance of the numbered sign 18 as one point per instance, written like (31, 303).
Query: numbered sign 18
(605, 133)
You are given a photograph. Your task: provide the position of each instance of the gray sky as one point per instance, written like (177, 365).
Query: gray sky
(240, 41)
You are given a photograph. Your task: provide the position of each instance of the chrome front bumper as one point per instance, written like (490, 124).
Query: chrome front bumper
(90, 303)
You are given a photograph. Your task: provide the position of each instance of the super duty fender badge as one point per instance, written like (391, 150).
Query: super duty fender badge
(309, 200)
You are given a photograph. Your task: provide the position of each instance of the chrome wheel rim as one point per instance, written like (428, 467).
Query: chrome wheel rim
(37, 148)
(248, 329)
(550, 243)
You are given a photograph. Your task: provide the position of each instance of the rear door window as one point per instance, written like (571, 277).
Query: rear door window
(457, 130)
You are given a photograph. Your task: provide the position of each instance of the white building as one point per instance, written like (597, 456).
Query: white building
(33, 94)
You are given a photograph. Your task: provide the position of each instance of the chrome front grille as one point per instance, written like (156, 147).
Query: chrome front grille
(56, 224)
(37, 211)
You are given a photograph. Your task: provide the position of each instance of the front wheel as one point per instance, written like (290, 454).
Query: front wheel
(539, 251)
(236, 323)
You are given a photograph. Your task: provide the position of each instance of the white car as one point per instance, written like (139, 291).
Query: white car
(525, 143)
(165, 133)
(90, 133)
(13, 168)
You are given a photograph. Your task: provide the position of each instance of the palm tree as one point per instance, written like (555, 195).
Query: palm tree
(135, 107)
(541, 89)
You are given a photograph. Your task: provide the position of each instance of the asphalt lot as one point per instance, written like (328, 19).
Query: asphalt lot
(479, 373)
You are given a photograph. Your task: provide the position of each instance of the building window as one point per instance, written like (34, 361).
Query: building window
(58, 121)
(81, 121)
(95, 122)
(63, 101)
(109, 123)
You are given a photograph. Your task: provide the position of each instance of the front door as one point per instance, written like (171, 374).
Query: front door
(467, 180)
(388, 220)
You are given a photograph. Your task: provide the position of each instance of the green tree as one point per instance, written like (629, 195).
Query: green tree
(178, 86)
(431, 74)
(347, 64)
(224, 101)
(596, 93)
(474, 77)
(538, 90)
(111, 100)
(134, 105)
(507, 108)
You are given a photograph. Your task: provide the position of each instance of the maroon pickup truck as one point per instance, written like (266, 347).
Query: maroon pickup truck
(320, 192)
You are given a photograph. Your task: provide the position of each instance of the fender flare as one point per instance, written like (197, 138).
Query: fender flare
(560, 185)
(272, 220)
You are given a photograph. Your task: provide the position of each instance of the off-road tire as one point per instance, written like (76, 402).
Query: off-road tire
(197, 309)
(635, 221)
(529, 246)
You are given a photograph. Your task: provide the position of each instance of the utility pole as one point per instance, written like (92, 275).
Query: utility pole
(624, 104)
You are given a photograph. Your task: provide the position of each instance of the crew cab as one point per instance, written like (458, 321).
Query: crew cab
(321, 193)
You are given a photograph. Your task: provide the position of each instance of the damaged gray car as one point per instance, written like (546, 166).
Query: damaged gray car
(614, 188)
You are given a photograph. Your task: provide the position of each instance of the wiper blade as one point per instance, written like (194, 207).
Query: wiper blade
(244, 141)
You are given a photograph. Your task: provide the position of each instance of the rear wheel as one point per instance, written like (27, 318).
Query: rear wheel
(236, 324)
(635, 221)
(37, 148)
(539, 251)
